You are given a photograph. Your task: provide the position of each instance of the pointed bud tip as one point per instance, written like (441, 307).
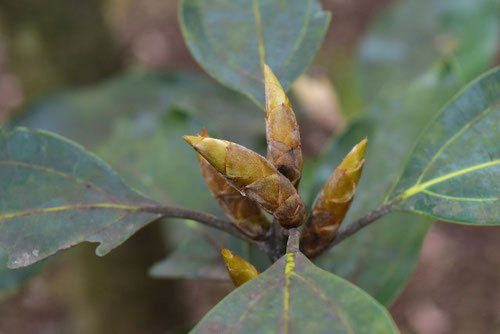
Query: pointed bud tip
(275, 95)
(226, 254)
(355, 157)
(192, 140)
(362, 146)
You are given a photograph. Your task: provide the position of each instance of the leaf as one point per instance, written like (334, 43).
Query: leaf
(295, 296)
(454, 170)
(150, 112)
(231, 39)
(55, 195)
(381, 257)
(11, 278)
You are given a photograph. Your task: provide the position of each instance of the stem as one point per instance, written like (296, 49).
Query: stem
(276, 242)
(292, 245)
(362, 222)
(203, 218)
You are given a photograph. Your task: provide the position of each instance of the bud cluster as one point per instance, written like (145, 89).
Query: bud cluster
(245, 183)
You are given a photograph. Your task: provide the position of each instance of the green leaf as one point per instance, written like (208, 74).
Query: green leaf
(232, 39)
(55, 195)
(150, 112)
(295, 296)
(454, 170)
(381, 257)
(11, 278)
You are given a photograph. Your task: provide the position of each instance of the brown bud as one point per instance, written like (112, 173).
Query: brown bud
(243, 212)
(332, 203)
(282, 130)
(239, 270)
(254, 177)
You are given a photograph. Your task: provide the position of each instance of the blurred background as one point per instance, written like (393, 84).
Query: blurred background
(112, 57)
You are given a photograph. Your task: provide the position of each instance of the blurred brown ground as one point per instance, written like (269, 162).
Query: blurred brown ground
(455, 287)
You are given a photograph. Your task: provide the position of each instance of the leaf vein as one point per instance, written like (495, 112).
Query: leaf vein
(49, 170)
(452, 139)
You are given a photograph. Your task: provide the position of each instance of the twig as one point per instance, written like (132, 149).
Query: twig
(362, 222)
(204, 218)
(209, 220)
(276, 242)
(292, 245)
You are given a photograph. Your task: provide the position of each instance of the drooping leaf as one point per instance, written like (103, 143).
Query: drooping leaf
(233, 39)
(55, 195)
(295, 296)
(453, 173)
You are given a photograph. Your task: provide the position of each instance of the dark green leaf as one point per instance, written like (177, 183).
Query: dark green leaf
(55, 195)
(295, 296)
(381, 257)
(453, 172)
(150, 112)
(232, 38)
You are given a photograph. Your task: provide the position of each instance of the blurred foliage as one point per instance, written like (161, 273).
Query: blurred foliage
(409, 37)
(53, 44)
